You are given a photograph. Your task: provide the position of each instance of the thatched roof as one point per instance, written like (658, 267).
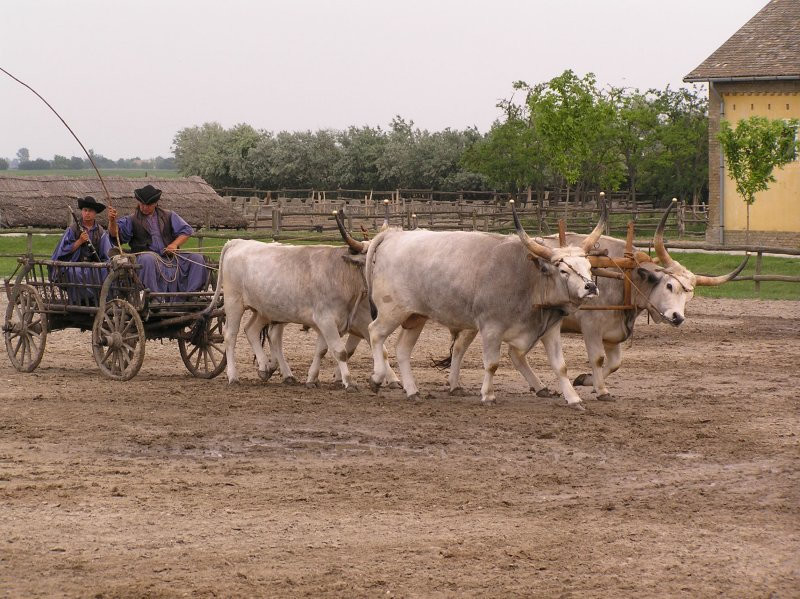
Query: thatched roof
(41, 201)
(766, 47)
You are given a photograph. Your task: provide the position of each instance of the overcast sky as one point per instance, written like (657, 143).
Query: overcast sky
(127, 75)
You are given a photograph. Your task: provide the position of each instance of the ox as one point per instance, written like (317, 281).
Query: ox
(660, 289)
(319, 287)
(477, 282)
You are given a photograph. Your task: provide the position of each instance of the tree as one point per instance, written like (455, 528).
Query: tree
(752, 151)
(23, 155)
(3, 164)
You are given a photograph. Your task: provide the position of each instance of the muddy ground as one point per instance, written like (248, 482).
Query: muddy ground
(167, 486)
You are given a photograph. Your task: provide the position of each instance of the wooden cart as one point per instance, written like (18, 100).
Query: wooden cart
(109, 300)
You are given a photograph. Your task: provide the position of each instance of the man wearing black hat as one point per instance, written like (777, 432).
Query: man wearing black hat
(74, 245)
(155, 235)
(82, 284)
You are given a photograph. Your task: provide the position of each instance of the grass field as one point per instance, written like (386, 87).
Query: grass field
(701, 263)
(87, 173)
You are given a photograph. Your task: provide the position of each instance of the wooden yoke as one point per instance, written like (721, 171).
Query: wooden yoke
(620, 268)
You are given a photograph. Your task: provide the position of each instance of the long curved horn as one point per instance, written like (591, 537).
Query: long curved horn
(536, 248)
(589, 242)
(658, 238)
(355, 246)
(705, 281)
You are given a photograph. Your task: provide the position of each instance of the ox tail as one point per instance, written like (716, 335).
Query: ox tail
(218, 290)
(368, 267)
(445, 363)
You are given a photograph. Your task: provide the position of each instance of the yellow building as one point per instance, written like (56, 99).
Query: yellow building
(755, 72)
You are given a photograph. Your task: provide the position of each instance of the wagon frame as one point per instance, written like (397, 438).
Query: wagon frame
(108, 299)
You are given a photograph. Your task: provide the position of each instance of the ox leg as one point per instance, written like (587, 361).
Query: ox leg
(405, 345)
(555, 355)
(336, 344)
(253, 333)
(379, 330)
(460, 345)
(520, 362)
(312, 380)
(350, 346)
(597, 360)
(491, 360)
(276, 349)
(233, 320)
(613, 362)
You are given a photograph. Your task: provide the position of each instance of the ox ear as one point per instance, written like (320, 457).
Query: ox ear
(357, 259)
(544, 266)
(648, 275)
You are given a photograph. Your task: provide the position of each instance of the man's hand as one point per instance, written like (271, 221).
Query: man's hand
(112, 215)
(171, 249)
(82, 239)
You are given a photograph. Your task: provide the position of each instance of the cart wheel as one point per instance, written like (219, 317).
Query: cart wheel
(118, 340)
(202, 347)
(25, 328)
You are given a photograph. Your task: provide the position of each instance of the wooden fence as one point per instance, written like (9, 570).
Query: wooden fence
(283, 212)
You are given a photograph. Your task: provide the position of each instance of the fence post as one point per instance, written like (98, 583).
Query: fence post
(255, 217)
(474, 220)
(276, 221)
(682, 218)
(30, 243)
(758, 272)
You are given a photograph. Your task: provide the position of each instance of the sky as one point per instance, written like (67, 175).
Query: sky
(127, 76)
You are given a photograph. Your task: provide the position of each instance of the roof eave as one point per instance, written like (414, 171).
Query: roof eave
(699, 79)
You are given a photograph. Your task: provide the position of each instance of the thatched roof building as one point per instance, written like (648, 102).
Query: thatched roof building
(41, 201)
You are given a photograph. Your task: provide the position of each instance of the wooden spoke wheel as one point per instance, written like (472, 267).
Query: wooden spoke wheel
(118, 340)
(25, 328)
(202, 346)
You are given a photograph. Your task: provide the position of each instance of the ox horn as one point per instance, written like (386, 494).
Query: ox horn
(536, 248)
(356, 247)
(658, 238)
(589, 242)
(706, 281)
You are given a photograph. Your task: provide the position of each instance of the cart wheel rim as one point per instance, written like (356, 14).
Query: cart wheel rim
(203, 351)
(25, 328)
(118, 340)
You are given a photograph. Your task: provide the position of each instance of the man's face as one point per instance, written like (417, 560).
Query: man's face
(88, 215)
(147, 209)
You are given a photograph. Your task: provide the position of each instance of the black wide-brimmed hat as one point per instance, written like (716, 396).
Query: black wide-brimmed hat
(90, 202)
(147, 194)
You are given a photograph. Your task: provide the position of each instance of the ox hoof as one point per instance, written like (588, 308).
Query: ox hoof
(577, 406)
(545, 392)
(395, 385)
(233, 381)
(414, 397)
(580, 380)
(457, 392)
(351, 389)
(606, 397)
(312, 385)
(374, 387)
(489, 401)
(265, 375)
(290, 380)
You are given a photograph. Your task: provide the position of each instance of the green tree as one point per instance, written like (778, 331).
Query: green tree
(23, 155)
(3, 164)
(753, 149)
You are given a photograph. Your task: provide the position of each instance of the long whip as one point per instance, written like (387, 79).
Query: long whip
(88, 155)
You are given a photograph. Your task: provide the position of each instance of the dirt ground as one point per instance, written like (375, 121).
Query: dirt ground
(167, 486)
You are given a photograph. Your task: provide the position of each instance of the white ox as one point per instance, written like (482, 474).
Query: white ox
(660, 289)
(477, 282)
(319, 287)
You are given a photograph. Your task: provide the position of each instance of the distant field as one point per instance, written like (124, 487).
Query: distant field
(701, 263)
(90, 174)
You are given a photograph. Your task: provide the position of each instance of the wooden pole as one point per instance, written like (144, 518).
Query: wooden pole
(758, 272)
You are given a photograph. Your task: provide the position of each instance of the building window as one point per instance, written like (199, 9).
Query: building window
(790, 139)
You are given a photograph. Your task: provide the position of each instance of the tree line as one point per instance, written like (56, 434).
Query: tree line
(564, 133)
(23, 161)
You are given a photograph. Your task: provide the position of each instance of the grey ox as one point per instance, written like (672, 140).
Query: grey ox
(470, 281)
(320, 287)
(660, 289)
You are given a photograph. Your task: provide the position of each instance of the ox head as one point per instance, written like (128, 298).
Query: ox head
(670, 285)
(568, 263)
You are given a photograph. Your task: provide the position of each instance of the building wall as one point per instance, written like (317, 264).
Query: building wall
(775, 215)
